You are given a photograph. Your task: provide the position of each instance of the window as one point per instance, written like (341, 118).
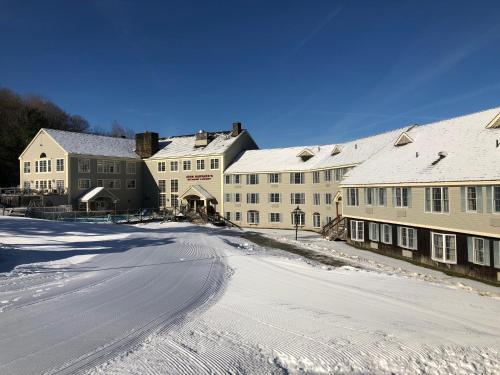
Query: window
(186, 165)
(131, 167)
(174, 186)
(214, 163)
(382, 196)
(26, 185)
(436, 200)
(407, 238)
(253, 198)
(227, 179)
(316, 199)
(373, 231)
(59, 165)
(297, 178)
(27, 167)
(478, 250)
(274, 217)
(42, 165)
(339, 174)
(328, 175)
(357, 230)
(161, 166)
(36, 166)
(162, 200)
(316, 220)
(471, 198)
(298, 219)
(274, 197)
(386, 234)
(174, 166)
(401, 197)
(328, 198)
(444, 248)
(370, 196)
(297, 198)
(83, 183)
(237, 179)
(174, 200)
(316, 177)
(60, 185)
(227, 215)
(130, 184)
(110, 183)
(237, 216)
(227, 197)
(273, 178)
(100, 183)
(353, 197)
(162, 186)
(110, 166)
(200, 164)
(253, 217)
(237, 197)
(252, 179)
(43, 185)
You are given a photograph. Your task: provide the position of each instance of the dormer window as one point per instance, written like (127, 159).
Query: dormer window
(403, 139)
(43, 155)
(336, 150)
(495, 123)
(305, 154)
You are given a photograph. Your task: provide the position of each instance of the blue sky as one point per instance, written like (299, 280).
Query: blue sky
(293, 72)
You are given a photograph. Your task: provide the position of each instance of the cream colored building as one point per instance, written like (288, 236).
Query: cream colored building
(433, 195)
(263, 187)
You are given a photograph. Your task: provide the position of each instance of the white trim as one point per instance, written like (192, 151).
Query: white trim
(443, 259)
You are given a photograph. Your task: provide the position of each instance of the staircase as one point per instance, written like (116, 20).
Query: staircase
(335, 229)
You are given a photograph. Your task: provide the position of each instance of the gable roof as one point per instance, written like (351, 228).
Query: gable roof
(403, 139)
(285, 159)
(184, 145)
(94, 145)
(458, 149)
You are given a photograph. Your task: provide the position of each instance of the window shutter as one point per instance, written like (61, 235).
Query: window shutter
(399, 236)
(409, 197)
(470, 249)
(291, 198)
(487, 261)
(427, 199)
(353, 229)
(415, 239)
(489, 199)
(496, 254)
(394, 197)
(479, 195)
(366, 195)
(463, 198)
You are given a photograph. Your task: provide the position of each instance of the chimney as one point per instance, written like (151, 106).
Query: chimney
(236, 129)
(201, 139)
(146, 144)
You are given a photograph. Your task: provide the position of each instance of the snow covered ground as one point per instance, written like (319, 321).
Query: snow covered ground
(229, 306)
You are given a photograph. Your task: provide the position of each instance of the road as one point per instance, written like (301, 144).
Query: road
(62, 317)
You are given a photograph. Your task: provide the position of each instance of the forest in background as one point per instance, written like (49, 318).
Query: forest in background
(22, 116)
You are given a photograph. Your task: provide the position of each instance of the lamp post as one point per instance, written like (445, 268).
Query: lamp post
(297, 212)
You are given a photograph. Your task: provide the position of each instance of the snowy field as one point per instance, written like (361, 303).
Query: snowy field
(183, 299)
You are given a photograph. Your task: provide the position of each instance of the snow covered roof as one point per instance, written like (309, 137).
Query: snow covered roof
(185, 145)
(199, 191)
(95, 192)
(96, 145)
(458, 149)
(287, 159)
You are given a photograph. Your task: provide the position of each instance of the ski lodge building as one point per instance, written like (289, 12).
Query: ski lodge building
(430, 193)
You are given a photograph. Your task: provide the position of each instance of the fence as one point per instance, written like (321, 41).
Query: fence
(117, 217)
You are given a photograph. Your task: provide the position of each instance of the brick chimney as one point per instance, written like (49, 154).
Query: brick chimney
(146, 144)
(236, 129)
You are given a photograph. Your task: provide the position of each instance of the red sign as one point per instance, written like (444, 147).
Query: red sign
(199, 177)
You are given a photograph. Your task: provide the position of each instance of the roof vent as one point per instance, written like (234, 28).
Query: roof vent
(442, 155)
(305, 154)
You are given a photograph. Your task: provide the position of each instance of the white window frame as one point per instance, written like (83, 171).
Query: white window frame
(237, 179)
(357, 230)
(162, 186)
(252, 198)
(328, 198)
(87, 185)
(108, 166)
(370, 198)
(316, 199)
(297, 198)
(214, 163)
(252, 179)
(468, 198)
(316, 220)
(374, 231)
(237, 216)
(186, 165)
(174, 185)
(228, 179)
(404, 238)
(200, 164)
(400, 200)
(316, 177)
(444, 257)
(275, 217)
(237, 197)
(494, 199)
(444, 200)
(382, 199)
(350, 196)
(59, 165)
(228, 197)
(131, 167)
(475, 250)
(327, 175)
(302, 219)
(273, 178)
(27, 167)
(386, 229)
(253, 217)
(274, 198)
(174, 166)
(162, 166)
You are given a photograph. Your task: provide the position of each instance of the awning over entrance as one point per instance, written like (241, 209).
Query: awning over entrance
(198, 190)
(98, 193)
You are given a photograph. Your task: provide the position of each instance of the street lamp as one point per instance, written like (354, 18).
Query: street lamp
(297, 212)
